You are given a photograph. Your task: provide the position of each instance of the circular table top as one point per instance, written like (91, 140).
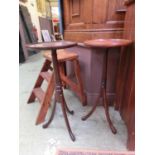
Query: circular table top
(107, 43)
(51, 45)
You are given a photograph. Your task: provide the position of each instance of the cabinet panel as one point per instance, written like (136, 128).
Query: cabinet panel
(76, 11)
(115, 11)
(99, 11)
(96, 17)
(75, 7)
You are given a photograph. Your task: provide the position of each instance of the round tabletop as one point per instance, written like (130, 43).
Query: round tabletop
(51, 45)
(107, 43)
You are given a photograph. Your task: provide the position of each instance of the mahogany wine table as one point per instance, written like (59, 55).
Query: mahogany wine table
(103, 45)
(59, 96)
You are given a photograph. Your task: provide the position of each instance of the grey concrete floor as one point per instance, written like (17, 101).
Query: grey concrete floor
(92, 134)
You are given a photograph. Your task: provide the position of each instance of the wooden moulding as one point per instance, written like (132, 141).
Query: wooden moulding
(81, 36)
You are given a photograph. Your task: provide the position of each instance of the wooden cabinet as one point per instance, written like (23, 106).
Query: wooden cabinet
(126, 79)
(90, 19)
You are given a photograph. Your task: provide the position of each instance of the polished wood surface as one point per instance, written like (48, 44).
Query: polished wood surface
(106, 43)
(51, 45)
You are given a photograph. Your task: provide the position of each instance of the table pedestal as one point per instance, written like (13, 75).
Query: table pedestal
(59, 96)
(103, 95)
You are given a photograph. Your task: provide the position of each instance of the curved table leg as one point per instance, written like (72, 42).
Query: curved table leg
(106, 108)
(92, 110)
(103, 93)
(63, 106)
(52, 114)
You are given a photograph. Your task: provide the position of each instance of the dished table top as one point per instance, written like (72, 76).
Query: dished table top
(51, 45)
(107, 43)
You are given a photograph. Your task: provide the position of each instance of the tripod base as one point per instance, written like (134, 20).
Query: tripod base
(106, 108)
(64, 109)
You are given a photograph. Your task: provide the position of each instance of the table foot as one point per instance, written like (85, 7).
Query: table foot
(92, 110)
(52, 115)
(113, 129)
(72, 136)
(106, 107)
(68, 110)
(63, 105)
